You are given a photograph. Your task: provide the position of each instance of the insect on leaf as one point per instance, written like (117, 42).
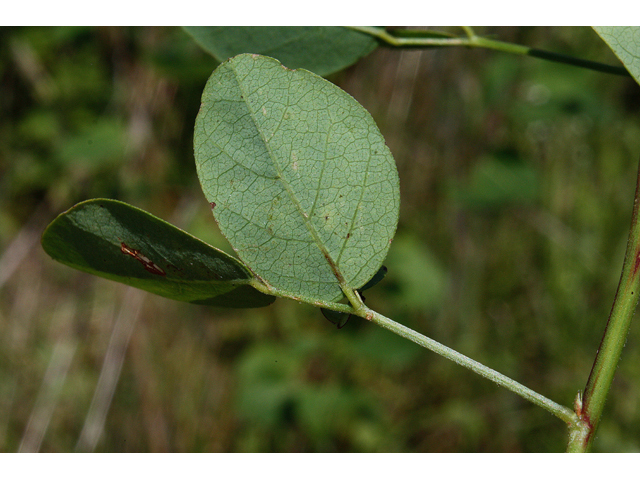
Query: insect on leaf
(114, 240)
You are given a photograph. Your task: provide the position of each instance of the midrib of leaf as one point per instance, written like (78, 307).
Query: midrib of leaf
(305, 216)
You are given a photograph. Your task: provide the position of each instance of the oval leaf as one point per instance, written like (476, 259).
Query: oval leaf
(117, 241)
(304, 187)
(322, 50)
(625, 43)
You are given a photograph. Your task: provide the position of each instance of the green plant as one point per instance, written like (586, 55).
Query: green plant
(302, 185)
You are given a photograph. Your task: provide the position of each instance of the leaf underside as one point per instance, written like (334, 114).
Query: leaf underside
(322, 50)
(114, 240)
(625, 43)
(299, 177)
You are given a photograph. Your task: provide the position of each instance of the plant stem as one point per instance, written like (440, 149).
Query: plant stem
(563, 413)
(357, 307)
(432, 39)
(615, 334)
(267, 289)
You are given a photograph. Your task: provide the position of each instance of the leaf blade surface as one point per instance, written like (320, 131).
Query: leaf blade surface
(322, 50)
(117, 241)
(304, 187)
(625, 43)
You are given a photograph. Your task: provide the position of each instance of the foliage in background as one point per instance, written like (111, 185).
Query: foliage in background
(515, 182)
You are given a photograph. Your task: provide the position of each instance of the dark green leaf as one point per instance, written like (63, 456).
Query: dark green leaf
(322, 50)
(339, 319)
(375, 279)
(117, 241)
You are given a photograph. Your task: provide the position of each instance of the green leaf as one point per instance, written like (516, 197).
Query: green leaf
(117, 241)
(625, 43)
(304, 187)
(322, 50)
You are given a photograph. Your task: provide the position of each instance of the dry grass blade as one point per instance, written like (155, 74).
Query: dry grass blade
(111, 368)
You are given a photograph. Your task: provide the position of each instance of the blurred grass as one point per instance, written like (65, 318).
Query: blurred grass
(517, 180)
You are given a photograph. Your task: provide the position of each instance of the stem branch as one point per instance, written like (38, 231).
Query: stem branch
(437, 39)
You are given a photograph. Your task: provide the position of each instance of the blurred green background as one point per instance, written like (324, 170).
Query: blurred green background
(517, 179)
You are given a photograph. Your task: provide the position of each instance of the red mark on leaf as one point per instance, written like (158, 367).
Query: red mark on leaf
(146, 263)
(213, 205)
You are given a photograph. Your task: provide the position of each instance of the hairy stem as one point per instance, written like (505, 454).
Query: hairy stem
(615, 334)
(436, 39)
